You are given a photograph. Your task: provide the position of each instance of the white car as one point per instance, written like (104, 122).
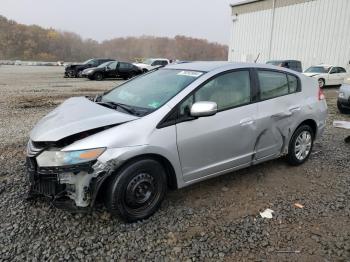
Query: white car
(152, 63)
(327, 74)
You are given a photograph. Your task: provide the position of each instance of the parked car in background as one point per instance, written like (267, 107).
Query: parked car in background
(112, 69)
(290, 64)
(152, 63)
(173, 127)
(75, 70)
(343, 102)
(327, 75)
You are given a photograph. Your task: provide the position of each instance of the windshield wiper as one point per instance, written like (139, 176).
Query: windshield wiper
(115, 105)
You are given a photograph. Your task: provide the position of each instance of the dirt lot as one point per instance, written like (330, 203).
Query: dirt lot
(214, 220)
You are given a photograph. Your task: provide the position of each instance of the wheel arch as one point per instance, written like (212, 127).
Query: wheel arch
(310, 122)
(169, 169)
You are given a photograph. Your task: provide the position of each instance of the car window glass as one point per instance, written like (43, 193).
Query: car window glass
(123, 66)
(185, 107)
(341, 70)
(334, 70)
(228, 90)
(113, 65)
(272, 84)
(293, 84)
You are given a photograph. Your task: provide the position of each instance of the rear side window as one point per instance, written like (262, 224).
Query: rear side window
(272, 84)
(123, 66)
(293, 84)
(341, 70)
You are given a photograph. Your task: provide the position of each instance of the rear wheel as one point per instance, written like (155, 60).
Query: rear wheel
(98, 76)
(137, 190)
(300, 145)
(342, 109)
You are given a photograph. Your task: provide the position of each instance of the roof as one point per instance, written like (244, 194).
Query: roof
(221, 65)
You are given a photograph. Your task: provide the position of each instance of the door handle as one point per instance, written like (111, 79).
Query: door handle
(246, 121)
(282, 115)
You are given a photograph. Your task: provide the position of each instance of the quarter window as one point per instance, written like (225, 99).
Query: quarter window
(272, 84)
(293, 84)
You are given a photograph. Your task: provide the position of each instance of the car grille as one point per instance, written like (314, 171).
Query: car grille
(44, 184)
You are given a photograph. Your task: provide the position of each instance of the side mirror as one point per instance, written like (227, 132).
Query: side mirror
(204, 108)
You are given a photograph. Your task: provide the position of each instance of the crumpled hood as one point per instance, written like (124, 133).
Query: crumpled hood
(76, 115)
(311, 74)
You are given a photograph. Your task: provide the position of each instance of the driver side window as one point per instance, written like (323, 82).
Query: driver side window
(227, 91)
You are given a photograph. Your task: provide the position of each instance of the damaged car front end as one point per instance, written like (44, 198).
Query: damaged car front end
(69, 178)
(61, 175)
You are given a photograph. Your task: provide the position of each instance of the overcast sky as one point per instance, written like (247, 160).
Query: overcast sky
(106, 19)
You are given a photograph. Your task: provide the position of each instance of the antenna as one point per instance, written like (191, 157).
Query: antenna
(257, 58)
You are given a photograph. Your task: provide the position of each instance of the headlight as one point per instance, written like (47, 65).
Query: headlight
(341, 95)
(62, 158)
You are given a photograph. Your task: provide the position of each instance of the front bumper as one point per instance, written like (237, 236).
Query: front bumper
(74, 186)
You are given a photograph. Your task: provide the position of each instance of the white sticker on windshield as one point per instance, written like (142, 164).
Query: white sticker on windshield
(190, 73)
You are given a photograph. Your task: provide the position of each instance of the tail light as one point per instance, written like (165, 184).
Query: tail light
(321, 95)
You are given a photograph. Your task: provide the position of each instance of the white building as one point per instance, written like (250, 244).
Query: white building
(312, 31)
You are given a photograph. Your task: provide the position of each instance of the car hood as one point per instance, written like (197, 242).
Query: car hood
(141, 65)
(311, 74)
(91, 68)
(74, 116)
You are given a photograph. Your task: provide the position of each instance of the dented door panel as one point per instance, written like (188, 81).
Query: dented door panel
(276, 118)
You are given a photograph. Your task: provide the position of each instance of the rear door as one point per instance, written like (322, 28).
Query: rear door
(209, 145)
(342, 75)
(123, 69)
(278, 109)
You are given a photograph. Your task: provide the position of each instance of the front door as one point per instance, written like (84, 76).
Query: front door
(111, 69)
(209, 145)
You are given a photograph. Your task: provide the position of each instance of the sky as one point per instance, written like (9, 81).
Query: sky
(106, 19)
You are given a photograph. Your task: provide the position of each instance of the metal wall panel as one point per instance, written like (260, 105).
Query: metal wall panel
(314, 32)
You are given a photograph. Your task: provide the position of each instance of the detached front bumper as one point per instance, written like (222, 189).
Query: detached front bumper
(73, 186)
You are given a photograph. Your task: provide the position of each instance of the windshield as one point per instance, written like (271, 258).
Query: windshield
(87, 61)
(148, 61)
(152, 90)
(318, 69)
(105, 64)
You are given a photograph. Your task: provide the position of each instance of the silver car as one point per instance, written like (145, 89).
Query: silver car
(172, 128)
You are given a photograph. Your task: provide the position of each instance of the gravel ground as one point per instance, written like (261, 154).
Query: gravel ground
(214, 220)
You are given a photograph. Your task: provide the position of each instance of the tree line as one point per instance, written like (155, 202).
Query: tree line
(23, 42)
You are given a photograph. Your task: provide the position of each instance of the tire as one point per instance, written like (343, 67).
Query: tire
(341, 109)
(321, 83)
(144, 70)
(137, 190)
(303, 138)
(98, 76)
(71, 74)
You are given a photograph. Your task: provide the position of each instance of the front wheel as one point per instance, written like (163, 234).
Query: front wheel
(137, 191)
(98, 76)
(300, 145)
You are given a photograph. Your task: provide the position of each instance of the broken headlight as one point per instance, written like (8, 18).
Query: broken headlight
(65, 158)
